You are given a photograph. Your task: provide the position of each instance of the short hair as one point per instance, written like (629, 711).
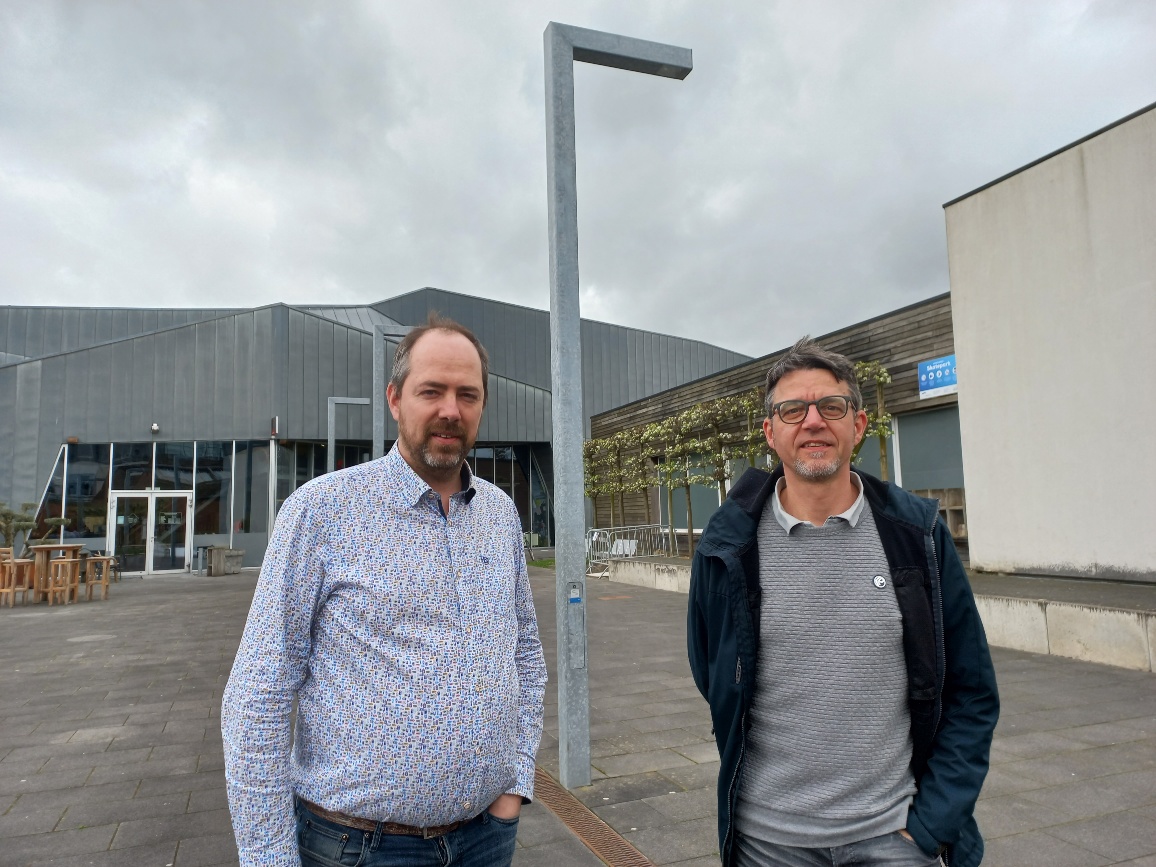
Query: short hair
(437, 322)
(806, 354)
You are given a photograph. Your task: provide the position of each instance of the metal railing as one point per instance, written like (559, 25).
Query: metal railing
(619, 543)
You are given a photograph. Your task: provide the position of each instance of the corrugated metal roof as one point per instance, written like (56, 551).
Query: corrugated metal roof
(361, 317)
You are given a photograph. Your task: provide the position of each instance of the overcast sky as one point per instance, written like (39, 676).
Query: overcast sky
(242, 153)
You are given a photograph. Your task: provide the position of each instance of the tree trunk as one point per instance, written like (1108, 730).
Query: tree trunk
(670, 517)
(879, 410)
(689, 523)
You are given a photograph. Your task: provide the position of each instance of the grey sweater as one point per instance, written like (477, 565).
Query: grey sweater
(829, 747)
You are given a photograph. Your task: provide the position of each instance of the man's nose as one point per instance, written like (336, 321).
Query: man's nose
(448, 407)
(813, 418)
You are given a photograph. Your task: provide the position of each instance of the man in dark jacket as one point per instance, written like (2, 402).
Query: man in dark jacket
(833, 632)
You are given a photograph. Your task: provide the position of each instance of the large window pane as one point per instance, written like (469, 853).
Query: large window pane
(212, 491)
(53, 504)
(132, 466)
(86, 500)
(483, 462)
(174, 467)
(286, 471)
(351, 453)
(251, 500)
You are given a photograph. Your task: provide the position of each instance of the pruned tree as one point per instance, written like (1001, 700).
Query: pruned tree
(878, 419)
(637, 469)
(13, 523)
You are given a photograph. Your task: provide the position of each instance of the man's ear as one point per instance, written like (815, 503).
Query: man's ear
(860, 425)
(768, 432)
(392, 398)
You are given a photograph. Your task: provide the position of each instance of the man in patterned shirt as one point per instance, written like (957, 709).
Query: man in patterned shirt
(394, 607)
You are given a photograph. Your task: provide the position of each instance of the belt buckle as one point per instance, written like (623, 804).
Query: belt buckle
(426, 835)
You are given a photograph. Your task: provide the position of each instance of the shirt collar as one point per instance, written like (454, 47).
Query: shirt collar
(788, 521)
(411, 487)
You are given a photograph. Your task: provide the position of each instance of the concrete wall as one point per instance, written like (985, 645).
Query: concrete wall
(1053, 285)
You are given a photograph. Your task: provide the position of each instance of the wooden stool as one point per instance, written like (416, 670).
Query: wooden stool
(58, 584)
(7, 582)
(99, 569)
(24, 578)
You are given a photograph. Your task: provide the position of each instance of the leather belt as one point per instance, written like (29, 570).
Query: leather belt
(384, 827)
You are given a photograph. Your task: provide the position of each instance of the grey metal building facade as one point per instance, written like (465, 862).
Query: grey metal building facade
(156, 431)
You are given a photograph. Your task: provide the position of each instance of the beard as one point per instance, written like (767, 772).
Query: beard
(437, 456)
(817, 471)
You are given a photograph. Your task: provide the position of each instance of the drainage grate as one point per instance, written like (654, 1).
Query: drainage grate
(597, 836)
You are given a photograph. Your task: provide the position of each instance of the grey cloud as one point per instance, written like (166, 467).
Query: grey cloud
(211, 153)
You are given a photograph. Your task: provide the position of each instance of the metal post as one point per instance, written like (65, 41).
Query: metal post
(564, 45)
(378, 392)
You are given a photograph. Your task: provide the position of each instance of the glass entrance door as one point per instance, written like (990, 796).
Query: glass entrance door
(130, 531)
(151, 531)
(170, 530)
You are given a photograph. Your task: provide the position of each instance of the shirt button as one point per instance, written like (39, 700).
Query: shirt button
(466, 804)
(478, 751)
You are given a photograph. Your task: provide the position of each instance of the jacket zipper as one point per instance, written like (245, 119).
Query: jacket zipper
(942, 652)
(735, 776)
(939, 605)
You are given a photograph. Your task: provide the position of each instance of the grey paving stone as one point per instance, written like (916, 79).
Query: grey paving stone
(538, 826)
(98, 758)
(680, 842)
(26, 768)
(1038, 848)
(631, 816)
(1120, 836)
(145, 770)
(143, 856)
(1088, 763)
(42, 847)
(113, 812)
(639, 742)
(181, 783)
(684, 806)
(670, 721)
(614, 790)
(141, 832)
(1003, 782)
(44, 782)
(208, 850)
(208, 799)
(694, 777)
(21, 821)
(62, 798)
(567, 852)
(1036, 744)
(636, 763)
(700, 752)
(1013, 814)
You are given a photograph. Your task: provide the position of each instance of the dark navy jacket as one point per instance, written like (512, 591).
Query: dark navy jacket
(951, 683)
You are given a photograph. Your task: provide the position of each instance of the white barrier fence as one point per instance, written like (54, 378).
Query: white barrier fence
(616, 543)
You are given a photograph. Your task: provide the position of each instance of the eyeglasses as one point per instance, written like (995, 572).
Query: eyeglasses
(832, 408)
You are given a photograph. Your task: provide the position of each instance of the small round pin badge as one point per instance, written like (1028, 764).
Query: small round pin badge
(880, 582)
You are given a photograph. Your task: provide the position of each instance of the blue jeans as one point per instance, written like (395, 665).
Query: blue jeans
(887, 850)
(484, 841)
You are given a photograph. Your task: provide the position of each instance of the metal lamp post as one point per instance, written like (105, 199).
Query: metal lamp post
(564, 45)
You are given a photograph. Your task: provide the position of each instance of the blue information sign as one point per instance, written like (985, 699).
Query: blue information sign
(937, 377)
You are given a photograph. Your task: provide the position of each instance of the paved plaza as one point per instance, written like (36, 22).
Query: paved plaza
(110, 746)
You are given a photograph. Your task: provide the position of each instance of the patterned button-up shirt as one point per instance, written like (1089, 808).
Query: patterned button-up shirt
(408, 638)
